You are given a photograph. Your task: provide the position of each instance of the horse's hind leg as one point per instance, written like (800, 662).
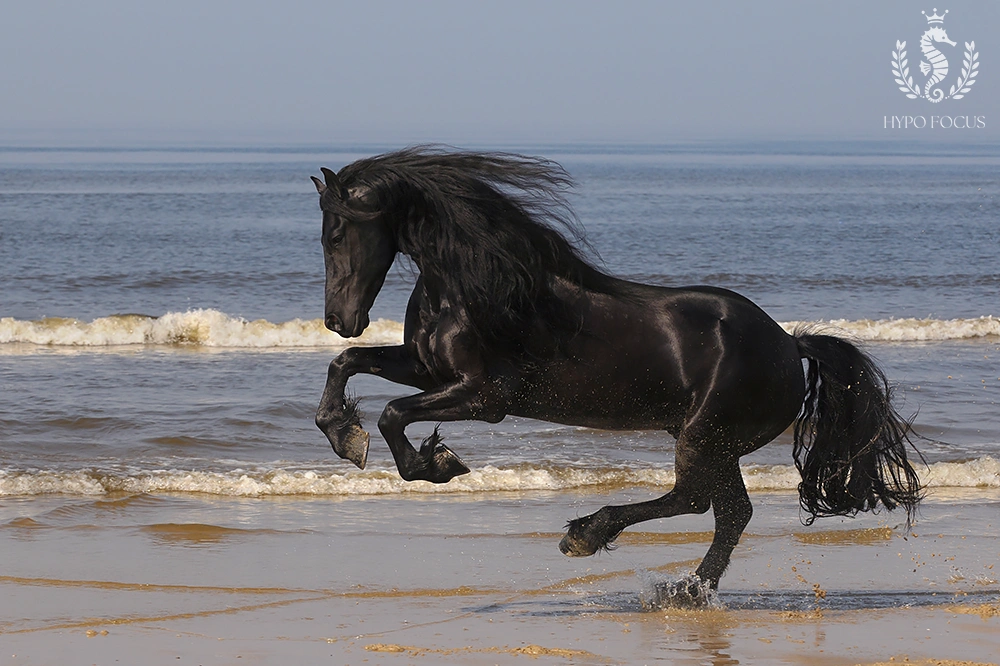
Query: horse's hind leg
(702, 481)
(732, 509)
(691, 494)
(591, 533)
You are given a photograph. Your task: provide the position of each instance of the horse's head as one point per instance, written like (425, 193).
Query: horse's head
(938, 34)
(358, 250)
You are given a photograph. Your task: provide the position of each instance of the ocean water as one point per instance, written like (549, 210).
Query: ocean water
(160, 311)
(162, 355)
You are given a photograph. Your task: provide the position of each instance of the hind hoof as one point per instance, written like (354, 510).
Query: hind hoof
(352, 445)
(589, 534)
(573, 547)
(689, 592)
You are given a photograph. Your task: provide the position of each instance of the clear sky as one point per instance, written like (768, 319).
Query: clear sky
(469, 71)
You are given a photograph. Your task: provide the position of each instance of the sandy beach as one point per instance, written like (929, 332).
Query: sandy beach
(479, 580)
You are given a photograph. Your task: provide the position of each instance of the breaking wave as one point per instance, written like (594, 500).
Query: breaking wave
(211, 328)
(208, 328)
(906, 330)
(982, 472)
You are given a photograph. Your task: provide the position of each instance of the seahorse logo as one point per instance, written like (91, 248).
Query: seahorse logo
(934, 64)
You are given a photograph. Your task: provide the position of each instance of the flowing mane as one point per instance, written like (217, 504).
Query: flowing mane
(489, 226)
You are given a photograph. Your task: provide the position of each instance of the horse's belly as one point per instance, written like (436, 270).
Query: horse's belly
(611, 400)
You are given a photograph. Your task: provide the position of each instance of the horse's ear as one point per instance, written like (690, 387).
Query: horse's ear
(333, 182)
(320, 187)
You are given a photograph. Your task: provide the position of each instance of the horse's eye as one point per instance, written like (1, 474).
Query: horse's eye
(333, 230)
(332, 235)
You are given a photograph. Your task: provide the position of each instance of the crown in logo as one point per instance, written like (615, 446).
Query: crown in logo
(934, 18)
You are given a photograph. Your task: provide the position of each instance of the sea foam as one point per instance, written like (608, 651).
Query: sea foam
(214, 329)
(208, 328)
(982, 472)
(905, 330)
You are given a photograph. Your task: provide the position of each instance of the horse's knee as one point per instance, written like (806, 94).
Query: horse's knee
(390, 419)
(342, 361)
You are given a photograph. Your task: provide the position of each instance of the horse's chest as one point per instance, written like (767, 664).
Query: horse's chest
(440, 346)
(426, 343)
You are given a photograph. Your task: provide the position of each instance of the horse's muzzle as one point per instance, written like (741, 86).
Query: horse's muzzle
(352, 329)
(333, 323)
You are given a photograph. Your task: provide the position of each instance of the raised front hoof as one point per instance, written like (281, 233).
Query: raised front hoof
(440, 464)
(352, 444)
(689, 592)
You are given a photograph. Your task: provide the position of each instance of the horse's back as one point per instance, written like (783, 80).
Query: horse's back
(656, 357)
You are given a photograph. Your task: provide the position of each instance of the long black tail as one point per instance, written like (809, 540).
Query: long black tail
(850, 444)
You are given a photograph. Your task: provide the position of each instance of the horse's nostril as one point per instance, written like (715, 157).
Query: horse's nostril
(333, 323)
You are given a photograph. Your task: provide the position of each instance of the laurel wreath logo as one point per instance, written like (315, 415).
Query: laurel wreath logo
(970, 70)
(902, 72)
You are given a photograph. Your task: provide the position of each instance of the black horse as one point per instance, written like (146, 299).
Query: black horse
(507, 318)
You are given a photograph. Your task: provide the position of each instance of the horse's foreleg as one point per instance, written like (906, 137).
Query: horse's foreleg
(732, 509)
(338, 416)
(435, 462)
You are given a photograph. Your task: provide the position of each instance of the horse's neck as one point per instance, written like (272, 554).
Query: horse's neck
(434, 291)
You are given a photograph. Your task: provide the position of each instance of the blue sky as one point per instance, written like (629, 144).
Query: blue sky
(493, 72)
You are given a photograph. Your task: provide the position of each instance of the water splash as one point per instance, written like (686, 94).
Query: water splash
(689, 592)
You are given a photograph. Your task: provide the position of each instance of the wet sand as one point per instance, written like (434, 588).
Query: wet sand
(478, 579)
